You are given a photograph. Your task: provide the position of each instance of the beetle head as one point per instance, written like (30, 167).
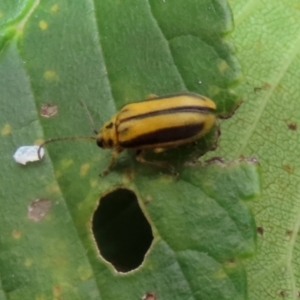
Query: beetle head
(107, 137)
(99, 141)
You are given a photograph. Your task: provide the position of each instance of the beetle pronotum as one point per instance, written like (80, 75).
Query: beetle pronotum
(158, 123)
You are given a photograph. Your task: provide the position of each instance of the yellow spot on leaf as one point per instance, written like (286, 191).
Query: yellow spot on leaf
(28, 262)
(43, 25)
(151, 96)
(53, 188)
(220, 274)
(54, 8)
(66, 163)
(129, 176)
(50, 75)
(213, 90)
(230, 264)
(93, 183)
(6, 130)
(57, 291)
(16, 234)
(222, 66)
(1, 14)
(39, 142)
(58, 173)
(297, 6)
(84, 168)
(84, 273)
(148, 199)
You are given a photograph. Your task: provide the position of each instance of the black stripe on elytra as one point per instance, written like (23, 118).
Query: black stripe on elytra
(173, 110)
(164, 135)
(110, 125)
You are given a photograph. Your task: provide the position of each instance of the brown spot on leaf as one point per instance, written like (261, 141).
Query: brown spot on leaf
(149, 296)
(38, 209)
(282, 294)
(231, 263)
(288, 169)
(265, 86)
(260, 230)
(291, 125)
(48, 110)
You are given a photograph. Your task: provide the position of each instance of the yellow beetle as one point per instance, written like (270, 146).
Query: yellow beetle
(158, 123)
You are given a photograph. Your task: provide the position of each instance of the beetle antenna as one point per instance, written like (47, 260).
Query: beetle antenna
(92, 123)
(74, 138)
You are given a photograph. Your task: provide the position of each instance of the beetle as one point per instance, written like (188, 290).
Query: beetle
(159, 123)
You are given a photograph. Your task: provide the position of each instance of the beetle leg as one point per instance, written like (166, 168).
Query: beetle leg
(162, 164)
(114, 155)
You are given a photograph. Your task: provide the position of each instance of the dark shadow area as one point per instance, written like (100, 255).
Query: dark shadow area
(122, 232)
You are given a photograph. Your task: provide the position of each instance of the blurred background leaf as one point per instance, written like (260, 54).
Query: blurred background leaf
(266, 125)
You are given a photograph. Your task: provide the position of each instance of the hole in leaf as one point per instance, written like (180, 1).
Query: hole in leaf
(121, 230)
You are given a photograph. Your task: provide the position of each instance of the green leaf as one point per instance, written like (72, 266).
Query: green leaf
(108, 53)
(267, 126)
